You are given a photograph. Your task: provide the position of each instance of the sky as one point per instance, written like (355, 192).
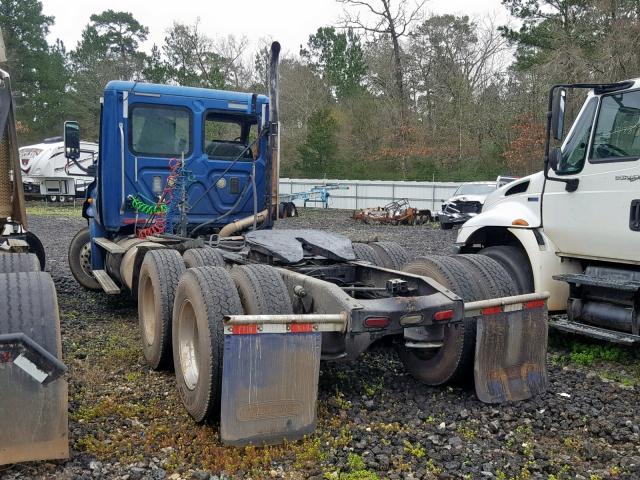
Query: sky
(288, 21)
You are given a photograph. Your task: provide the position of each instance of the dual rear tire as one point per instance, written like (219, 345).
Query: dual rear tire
(204, 297)
(471, 277)
(181, 312)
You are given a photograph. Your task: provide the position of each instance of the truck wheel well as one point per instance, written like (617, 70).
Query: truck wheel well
(490, 237)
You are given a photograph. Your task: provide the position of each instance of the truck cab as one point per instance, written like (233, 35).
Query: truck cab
(198, 156)
(145, 126)
(574, 228)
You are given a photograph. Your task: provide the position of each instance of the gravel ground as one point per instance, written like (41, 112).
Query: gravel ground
(374, 421)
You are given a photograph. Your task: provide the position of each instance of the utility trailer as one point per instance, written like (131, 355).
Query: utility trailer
(33, 391)
(181, 217)
(573, 229)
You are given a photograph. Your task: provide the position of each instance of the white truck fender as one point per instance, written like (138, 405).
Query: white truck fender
(543, 259)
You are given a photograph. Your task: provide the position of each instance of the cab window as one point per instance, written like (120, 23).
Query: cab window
(160, 131)
(617, 134)
(228, 137)
(574, 150)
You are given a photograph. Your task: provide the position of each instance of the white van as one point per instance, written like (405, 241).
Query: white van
(47, 172)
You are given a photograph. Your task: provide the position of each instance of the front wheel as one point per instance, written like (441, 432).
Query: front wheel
(516, 262)
(80, 260)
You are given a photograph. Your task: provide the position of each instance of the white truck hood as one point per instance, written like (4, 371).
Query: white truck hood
(518, 200)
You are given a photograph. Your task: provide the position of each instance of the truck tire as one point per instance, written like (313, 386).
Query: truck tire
(18, 262)
(449, 362)
(516, 262)
(262, 290)
(36, 247)
(80, 260)
(489, 274)
(159, 276)
(30, 305)
(203, 257)
(366, 253)
(391, 254)
(204, 296)
(446, 225)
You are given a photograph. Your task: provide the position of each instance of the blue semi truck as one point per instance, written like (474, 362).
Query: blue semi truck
(181, 216)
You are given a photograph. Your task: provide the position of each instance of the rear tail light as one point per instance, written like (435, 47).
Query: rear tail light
(377, 322)
(534, 304)
(443, 315)
(491, 310)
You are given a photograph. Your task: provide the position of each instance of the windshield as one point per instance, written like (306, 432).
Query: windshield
(475, 189)
(575, 148)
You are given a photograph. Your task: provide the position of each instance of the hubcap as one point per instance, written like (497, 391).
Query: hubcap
(148, 311)
(188, 345)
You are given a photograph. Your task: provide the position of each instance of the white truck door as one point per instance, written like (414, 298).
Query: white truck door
(597, 220)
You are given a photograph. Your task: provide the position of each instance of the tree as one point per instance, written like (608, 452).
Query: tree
(525, 151)
(393, 20)
(190, 59)
(319, 149)
(113, 37)
(339, 58)
(37, 70)
(109, 49)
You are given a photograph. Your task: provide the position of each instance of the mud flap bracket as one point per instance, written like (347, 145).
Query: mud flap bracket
(26, 354)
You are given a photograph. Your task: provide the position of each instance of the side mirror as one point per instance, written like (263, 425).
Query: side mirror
(72, 140)
(557, 113)
(554, 158)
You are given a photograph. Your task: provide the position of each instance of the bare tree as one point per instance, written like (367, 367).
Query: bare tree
(392, 18)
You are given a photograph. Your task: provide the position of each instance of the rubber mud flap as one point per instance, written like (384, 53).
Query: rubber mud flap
(33, 394)
(269, 386)
(511, 351)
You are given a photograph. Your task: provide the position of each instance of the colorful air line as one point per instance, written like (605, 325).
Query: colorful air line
(141, 206)
(166, 205)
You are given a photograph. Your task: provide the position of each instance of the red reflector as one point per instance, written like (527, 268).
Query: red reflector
(443, 315)
(301, 327)
(491, 310)
(244, 329)
(534, 304)
(377, 322)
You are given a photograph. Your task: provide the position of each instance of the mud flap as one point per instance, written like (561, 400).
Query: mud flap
(511, 350)
(33, 390)
(33, 402)
(269, 384)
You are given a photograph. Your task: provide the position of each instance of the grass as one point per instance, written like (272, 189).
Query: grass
(42, 208)
(357, 470)
(607, 358)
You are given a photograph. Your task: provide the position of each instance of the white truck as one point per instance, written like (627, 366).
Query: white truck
(574, 228)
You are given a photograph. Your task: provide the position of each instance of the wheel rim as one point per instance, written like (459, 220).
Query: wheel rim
(85, 259)
(148, 311)
(188, 345)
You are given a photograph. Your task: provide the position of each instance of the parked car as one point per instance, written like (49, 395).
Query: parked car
(47, 172)
(468, 200)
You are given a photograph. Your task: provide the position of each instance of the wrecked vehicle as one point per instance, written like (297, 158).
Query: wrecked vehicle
(465, 203)
(399, 212)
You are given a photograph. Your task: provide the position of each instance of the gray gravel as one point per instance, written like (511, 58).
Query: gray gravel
(375, 421)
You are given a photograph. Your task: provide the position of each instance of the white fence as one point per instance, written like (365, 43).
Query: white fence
(356, 194)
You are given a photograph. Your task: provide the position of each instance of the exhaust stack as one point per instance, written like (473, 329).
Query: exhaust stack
(274, 135)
